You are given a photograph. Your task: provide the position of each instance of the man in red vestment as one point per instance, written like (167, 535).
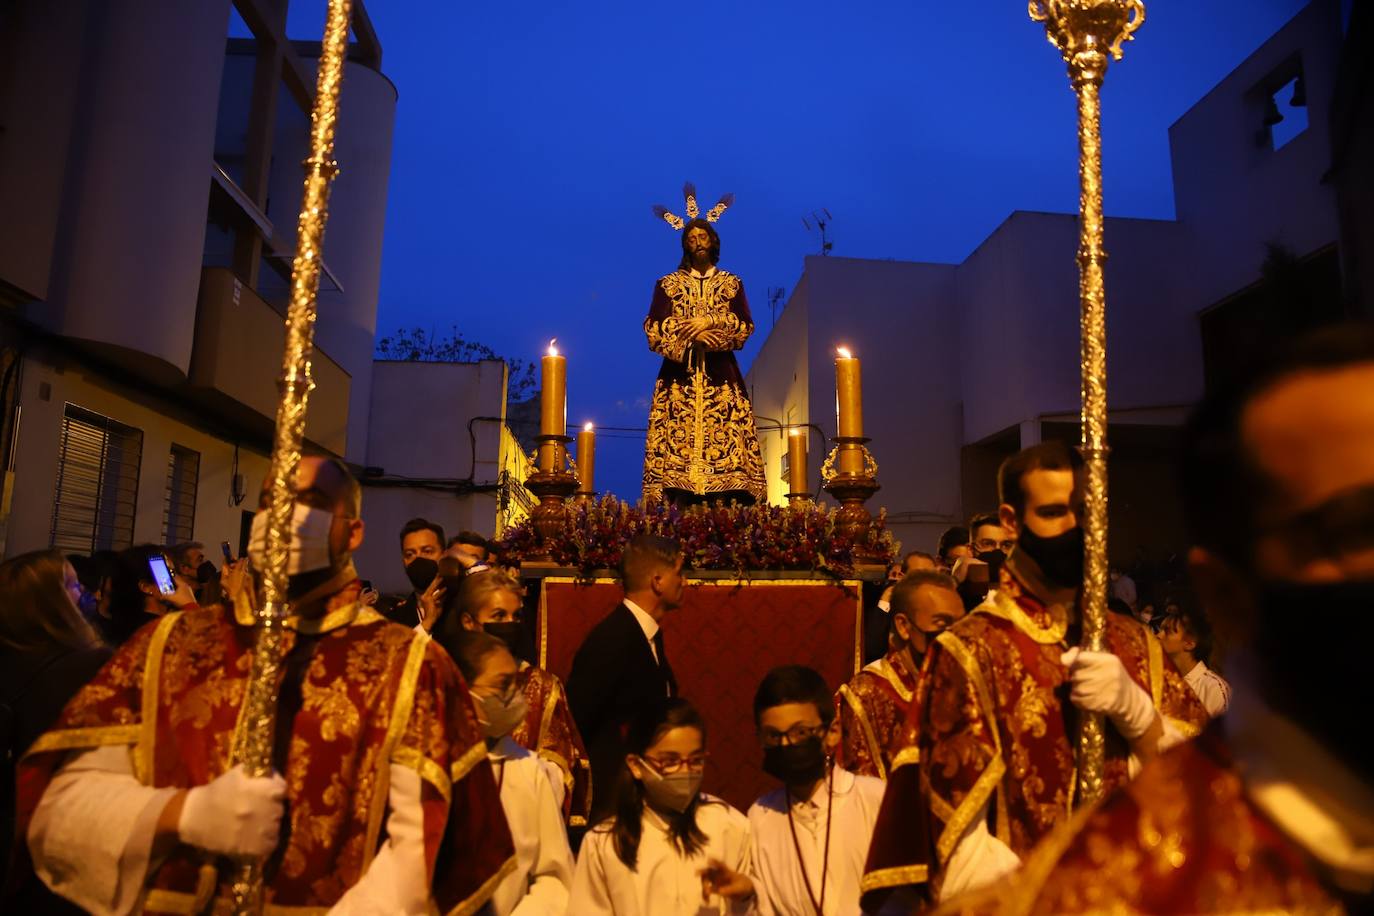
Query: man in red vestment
(873, 705)
(1272, 809)
(995, 719)
(381, 798)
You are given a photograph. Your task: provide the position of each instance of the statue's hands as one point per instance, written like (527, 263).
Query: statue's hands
(715, 340)
(694, 328)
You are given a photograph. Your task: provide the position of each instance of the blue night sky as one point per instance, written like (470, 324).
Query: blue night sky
(531, 140)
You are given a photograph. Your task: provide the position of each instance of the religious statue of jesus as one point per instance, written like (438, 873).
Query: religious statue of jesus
(702, 443)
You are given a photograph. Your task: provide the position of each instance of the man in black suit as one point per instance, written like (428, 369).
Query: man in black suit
(422, 544)
(622, 666)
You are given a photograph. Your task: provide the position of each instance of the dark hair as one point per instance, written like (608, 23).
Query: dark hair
(794, 684)
(95, 571)
(421, 524)
(645, 555)
(1193, 622)
(352, 495)
(645, 730)
(1118, 606)
(36, 613)
(958, 536)
(181, 552)
(468, 648)
(128, 601)
(1221, 485)
(471, 538)
(686, 263)
(916, 553)
(1047, 456)
(903, 598)
(981, 519)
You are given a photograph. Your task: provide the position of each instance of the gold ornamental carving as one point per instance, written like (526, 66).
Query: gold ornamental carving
(1088, 34)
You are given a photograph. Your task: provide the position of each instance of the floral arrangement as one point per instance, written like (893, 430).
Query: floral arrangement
(713, 537)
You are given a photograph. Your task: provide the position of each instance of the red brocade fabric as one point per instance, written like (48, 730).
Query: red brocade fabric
(550, 732)
(872, 709)
(371, 694)
(720, 643)
(992, 725)
(1181, 838)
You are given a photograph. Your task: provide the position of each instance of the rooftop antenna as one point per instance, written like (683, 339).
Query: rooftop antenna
(820, 218)
(775, 294)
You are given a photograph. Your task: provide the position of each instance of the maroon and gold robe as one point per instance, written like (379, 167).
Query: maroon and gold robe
(993, 725)
(702, 439)
(1181, 838)
(872, 709)
(371, 694)
(549, 731)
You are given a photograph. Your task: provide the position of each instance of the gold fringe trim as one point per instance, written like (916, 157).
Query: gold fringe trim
(464, 764)
(70, 739)
(857, 707)
(400, 718)
(897, 876)
(429, 771)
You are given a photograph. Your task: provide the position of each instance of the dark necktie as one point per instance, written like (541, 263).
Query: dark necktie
(663, 663)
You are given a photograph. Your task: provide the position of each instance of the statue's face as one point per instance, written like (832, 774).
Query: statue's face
(698, 241)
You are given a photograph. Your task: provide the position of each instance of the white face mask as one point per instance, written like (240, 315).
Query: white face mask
(309, 547)
(499, 715)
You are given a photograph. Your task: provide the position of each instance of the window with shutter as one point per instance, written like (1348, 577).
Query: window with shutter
(97, 483)
(179, 502)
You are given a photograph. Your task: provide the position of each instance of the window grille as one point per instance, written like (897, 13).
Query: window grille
(97, 483)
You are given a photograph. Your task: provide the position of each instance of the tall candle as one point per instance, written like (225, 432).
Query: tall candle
(553, 405)
(796, 461)
(849, 410)
(586, 459)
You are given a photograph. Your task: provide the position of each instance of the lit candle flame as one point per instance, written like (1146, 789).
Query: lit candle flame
(844, 352)
(553, 351)
(795, 431)
(588, 427)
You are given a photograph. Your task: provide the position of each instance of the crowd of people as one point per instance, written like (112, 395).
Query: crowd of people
(423, 761)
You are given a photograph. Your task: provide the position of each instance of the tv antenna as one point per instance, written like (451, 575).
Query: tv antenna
(775, 294)
(820, 218)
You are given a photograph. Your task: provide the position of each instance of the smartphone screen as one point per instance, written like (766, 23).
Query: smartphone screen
(228, 554)
(162, 574)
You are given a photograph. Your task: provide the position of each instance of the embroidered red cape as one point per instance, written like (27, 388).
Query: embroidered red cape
(992, 724)
(872, 710)
(372, 694)
(549, 731)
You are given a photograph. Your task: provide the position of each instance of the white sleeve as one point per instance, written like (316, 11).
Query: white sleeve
(590, 894)
(396, 882)
(762, 903)
(551, 874)
(556, 777)
(92, 834)
(978, 859)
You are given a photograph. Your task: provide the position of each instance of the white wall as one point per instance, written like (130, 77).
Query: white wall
(778, 382)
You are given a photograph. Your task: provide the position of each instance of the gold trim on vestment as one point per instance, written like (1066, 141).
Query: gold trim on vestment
(338, 618)
(152, 676)
(884, 669)
(429, 771)
(464, 764)
(70, 739)
(907, 756)
(1155, 651)
(557, 760)
(480, 896)
(897, 876)
(400, 718)
(546, 720)
(856, 706)
(991, 777)
(999, 605)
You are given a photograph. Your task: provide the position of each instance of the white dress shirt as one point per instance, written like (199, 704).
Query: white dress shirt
(779, 875)
(664, 882)
(1210, 688)
(646, 623)
(539, 886)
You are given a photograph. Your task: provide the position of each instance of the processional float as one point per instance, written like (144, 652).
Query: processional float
(253, 749)
(1086, 32)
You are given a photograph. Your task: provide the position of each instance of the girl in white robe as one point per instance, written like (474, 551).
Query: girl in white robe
(665, 848)
(542, 877)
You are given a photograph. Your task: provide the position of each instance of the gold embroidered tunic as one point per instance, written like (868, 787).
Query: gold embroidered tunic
(702, 439)
(872, 709)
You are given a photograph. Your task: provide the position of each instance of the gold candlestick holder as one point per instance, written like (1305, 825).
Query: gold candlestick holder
(851, 490)
(553, 487)
(1089, 33)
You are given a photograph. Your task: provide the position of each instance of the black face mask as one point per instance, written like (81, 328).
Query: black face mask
(421, 571)
(511, 633)
(1060, 558)
(206, 572)
(1300, 684)
(795, 764)
(994, 559)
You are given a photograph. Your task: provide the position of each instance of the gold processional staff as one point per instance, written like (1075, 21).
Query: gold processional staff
(254, 748)
(1086, 32)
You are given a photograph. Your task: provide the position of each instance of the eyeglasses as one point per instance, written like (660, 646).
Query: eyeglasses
(794, 735)
(675, 764)
(985, 544)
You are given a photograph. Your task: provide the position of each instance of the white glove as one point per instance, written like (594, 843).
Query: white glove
(234, 815)
(1101, 684)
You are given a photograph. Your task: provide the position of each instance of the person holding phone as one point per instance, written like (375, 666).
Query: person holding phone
(145, 586)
